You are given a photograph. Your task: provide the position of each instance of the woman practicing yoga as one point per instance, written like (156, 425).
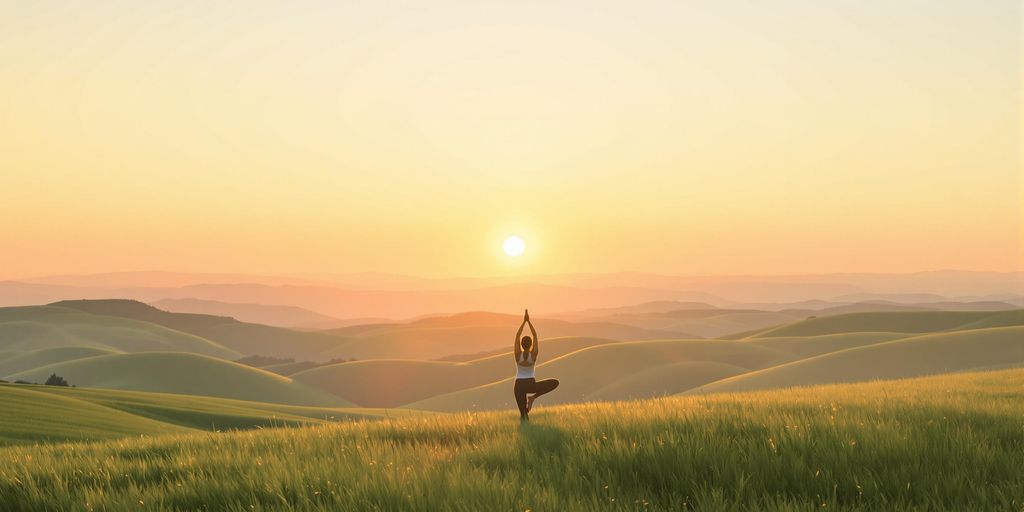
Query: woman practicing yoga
(527, 387)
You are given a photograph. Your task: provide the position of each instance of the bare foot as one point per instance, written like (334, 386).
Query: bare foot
(529, 402)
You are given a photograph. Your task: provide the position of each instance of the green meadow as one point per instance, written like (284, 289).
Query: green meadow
(949, 442)
(45, 414)
(863, 410)
(183, 373)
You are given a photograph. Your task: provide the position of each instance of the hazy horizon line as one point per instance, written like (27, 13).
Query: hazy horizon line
(312, 274)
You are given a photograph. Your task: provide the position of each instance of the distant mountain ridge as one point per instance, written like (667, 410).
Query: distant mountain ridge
(274, 315)
(374, 295)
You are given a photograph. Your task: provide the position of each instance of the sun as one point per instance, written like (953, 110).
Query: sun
(514, 246)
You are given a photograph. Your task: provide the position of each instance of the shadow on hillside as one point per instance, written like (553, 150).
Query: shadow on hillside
(535, 447)
(542, 438)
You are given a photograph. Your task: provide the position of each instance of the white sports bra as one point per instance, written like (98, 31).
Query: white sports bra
(524, 372)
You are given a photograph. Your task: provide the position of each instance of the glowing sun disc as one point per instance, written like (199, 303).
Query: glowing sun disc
(514, 246)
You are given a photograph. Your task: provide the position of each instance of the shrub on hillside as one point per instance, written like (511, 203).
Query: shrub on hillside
(56, 380)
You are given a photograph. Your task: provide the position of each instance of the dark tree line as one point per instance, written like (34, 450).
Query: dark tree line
(52, 380)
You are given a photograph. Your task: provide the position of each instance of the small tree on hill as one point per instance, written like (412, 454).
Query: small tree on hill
(56, 380)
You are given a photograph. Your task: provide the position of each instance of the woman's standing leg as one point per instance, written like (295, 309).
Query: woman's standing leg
(521, 388)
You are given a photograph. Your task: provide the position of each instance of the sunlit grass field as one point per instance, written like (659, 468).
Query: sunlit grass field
(952, 442)
(31, 414)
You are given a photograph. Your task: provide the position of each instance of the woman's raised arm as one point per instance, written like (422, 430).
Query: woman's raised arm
(536, 341)
(516, 349)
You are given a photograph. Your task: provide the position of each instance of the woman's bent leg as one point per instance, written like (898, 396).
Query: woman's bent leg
(543, 386)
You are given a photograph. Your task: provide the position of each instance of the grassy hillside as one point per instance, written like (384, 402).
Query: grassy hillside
(33, 328)
(807, 346)
(34, 414)
(21, 361)
(943, 443)
(189, 374)
(62, 339)
(289, 369)
(707, 323)
(906, 322)
(999, 319)
(710, 322)
(391, 383)
(907, 357)
(664, 380)
(468, 333)
(717, 325)
(425, 343)
(630, 370)
(243, 338)
(426, 339)
(584, 372)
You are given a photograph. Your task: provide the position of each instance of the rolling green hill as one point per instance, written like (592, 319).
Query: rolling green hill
(584, 372)
(33, 328)
(289, 369)
(906, 357)
(424, 343)
(664, 380)
(243, 338)
(34, 414)
(606, 370)
(998, 319)
(22, 361)
(189, 374)
(391, 383)
(467, 333)
(807, 346)
(655, 368)
(942, 443)
(711, 322)
(707, 323)
(905, 322)
(426, 339)
(18, 313)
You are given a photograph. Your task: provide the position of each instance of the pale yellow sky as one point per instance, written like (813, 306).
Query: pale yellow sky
(680, 137)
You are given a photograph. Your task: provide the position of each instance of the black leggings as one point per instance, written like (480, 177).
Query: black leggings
(532, 387)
